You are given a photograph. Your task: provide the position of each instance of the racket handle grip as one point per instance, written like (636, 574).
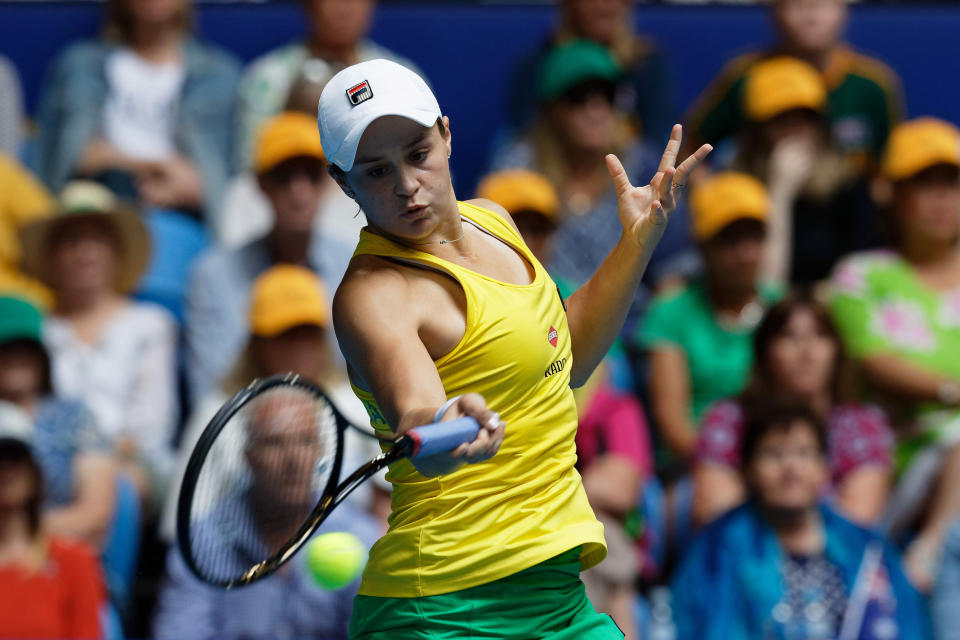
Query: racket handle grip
(442, 436)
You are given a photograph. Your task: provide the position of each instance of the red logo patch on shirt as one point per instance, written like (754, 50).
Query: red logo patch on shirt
(552, 336)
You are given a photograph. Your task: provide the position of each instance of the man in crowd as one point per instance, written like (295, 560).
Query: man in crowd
(281, 449)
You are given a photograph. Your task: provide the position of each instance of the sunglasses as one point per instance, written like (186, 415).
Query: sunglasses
(583, 92)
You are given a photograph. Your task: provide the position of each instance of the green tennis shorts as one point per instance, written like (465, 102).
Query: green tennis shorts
(545, 601)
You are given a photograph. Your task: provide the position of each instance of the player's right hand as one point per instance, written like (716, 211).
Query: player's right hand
(490, 436)
(484, 446)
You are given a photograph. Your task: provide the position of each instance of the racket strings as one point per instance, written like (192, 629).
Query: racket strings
(260, 481)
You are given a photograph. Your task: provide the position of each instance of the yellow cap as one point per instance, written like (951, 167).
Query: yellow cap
(780, 84)
(520, 190)
(724, 198)
(918, 145)
(284, 297)
(288, 135)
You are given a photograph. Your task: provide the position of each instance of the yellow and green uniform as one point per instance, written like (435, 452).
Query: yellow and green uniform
(864, 102)
(502, 518)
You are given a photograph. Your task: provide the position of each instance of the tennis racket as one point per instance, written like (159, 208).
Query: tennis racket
(265, 474)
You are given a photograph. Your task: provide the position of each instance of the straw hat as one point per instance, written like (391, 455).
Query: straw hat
(85, 200)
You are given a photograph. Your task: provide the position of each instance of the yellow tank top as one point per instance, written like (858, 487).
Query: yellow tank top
(525, 505)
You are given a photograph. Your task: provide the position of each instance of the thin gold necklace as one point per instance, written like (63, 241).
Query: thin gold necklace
(462, 233)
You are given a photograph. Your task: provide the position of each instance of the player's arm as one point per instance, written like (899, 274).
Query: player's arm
(378, 329)
(596, 311)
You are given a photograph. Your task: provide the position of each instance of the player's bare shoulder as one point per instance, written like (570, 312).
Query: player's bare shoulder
(370, 285)
(490, 205)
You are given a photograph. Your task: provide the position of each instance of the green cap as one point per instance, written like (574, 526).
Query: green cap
(19, 320)
(571, 63)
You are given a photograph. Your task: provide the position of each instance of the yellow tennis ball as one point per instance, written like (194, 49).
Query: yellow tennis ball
(336, 559)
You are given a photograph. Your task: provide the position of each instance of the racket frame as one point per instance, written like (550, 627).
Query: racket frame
(199, 455)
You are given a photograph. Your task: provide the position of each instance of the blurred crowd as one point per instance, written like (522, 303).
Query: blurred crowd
(773, 443)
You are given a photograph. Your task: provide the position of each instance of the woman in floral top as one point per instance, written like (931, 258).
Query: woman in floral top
(797, 351)
(899, 314)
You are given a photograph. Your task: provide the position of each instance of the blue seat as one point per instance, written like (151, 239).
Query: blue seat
(123, 543)
(176, 239)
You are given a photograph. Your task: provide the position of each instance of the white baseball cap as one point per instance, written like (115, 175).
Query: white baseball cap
(360, 94)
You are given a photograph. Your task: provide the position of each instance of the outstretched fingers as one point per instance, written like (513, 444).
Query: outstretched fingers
(620, 180)
(669, 157)
(687, 166)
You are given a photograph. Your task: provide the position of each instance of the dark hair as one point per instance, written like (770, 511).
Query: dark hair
(15, 453)
(339, 174)
(776, 413)
(36, 349)
(772, 327)
(118, 23)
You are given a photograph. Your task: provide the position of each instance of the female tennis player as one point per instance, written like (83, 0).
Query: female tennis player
(444, 312)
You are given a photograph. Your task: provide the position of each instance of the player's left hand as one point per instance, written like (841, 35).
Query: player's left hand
(644, 211)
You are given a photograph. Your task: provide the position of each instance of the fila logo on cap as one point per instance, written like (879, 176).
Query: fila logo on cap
(359, 93)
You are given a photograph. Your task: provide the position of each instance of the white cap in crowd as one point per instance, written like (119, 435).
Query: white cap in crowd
(360, 94)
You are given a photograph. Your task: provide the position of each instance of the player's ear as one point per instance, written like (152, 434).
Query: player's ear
(340, 177)
(447, 136)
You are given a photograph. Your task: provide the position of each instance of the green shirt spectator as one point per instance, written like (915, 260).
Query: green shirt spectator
(698, 338)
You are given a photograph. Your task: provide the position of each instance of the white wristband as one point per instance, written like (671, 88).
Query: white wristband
(438, 416)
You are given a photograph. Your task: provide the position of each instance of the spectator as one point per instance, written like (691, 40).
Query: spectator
(69, 447)
(146, 108)
(22, 199)
(116, 354)
(899, 316)
(646, 92)
(864, 97)
(820, 209)
(707, 356)
(579, 124)
(49, 587)
(782, 566)
(288, 604)
(612, 442)
(11, 109)
(290, 172)
(336, 34)
(946, 594)
(797, 350)
(246, 214)
(289, 325)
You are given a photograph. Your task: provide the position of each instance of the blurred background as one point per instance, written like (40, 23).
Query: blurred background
(773, 443)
